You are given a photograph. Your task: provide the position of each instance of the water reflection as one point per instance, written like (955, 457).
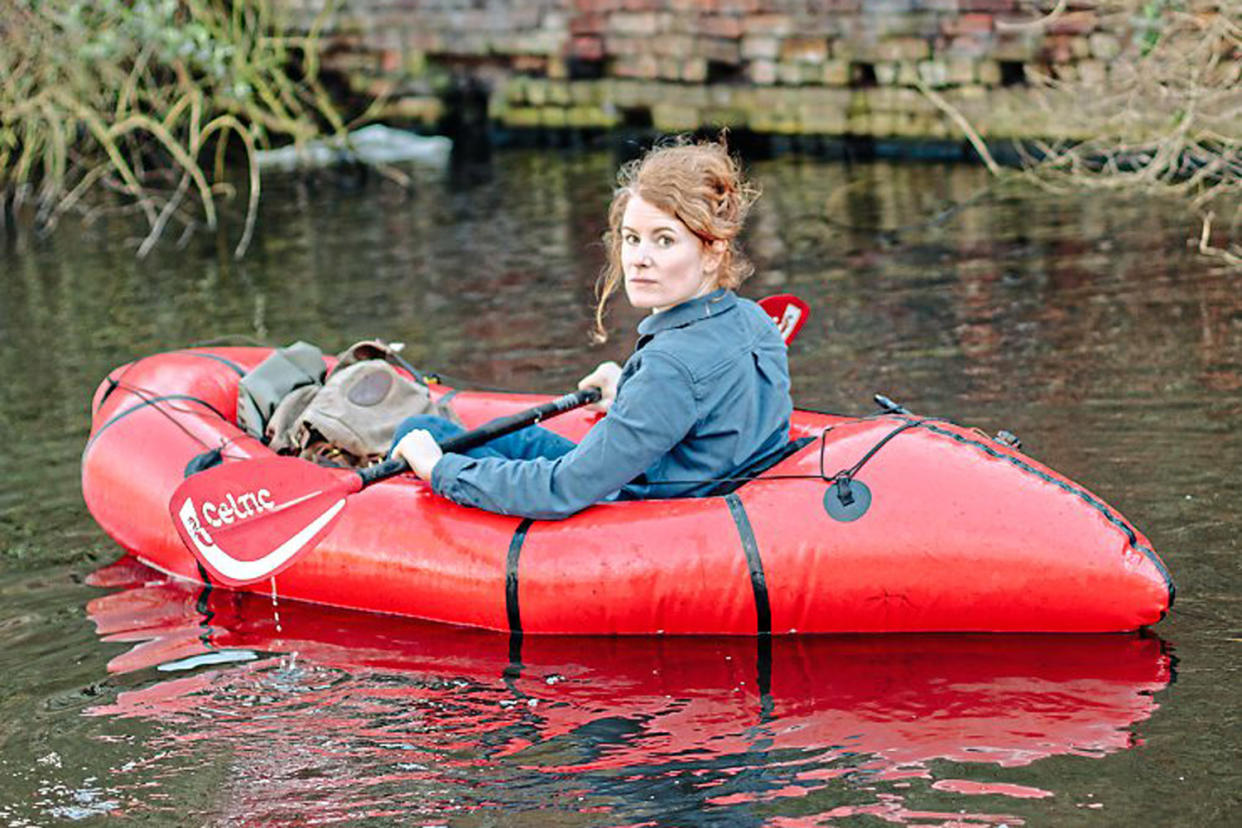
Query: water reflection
(360, 715)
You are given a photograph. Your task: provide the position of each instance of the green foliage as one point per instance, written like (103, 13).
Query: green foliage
(1164, 113)
(147, 100)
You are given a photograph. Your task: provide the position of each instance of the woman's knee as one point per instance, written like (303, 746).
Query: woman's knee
(439, 427)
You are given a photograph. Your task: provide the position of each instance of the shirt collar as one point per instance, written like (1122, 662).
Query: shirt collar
(688, 312)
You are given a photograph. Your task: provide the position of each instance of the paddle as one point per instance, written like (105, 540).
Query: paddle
(247, 521)
(788, 312)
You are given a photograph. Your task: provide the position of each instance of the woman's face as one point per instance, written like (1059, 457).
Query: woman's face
(664, 263)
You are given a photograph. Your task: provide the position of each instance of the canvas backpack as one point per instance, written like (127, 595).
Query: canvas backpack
(286, 370)
(347, 418)
(350, 418)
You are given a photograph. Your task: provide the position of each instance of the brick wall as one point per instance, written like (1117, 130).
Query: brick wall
(823, 67)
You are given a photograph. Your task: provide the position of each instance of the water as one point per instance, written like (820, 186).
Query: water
(1083, 323)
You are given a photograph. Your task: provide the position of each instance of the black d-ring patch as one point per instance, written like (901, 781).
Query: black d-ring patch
(847, 500)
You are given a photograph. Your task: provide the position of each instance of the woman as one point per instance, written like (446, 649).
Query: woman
(705, 393)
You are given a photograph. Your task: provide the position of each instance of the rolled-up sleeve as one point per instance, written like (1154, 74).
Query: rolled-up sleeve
(654, 410)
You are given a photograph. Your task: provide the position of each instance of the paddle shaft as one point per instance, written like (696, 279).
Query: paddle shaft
(487, 432)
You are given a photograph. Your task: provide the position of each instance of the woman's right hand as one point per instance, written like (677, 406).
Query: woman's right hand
(604, 378)
(421, 451)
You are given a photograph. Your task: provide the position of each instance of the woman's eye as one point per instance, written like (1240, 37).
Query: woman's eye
(630, 238)
(665, 241)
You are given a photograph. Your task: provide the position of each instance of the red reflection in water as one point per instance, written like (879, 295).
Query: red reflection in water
(360, 707)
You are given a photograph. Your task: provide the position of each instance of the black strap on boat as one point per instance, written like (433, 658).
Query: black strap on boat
(750, 547)
(512, 609)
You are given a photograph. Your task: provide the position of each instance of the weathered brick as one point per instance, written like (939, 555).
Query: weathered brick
(1093, 72)
(819, 7)
(674, 118)
(989, 73)
(771, 25)
(968, 24)
(584, 93)
(1073, 23)
(636, 66)
(521, 116)
(536, 91)
(552, 117)
(1019, 48)
(1104, 46)
(694, 70)
(934, 73)
(959, 70)
(886, 73)
(825, 114)
(587, 117)
(1066, 72)
(835, 73)
(908, 73)
(725, 117)
(424, 109)
(558, 94)
(644, 24)
(1058, 49)
(755, 47)
(421, 41)
(903, 48)
(685, 94)
(720, 25)
(884, 124)
(530, 64)
(587, 47)
(972, 47)
(775, 120)
(719, 50)
(671, 45)
(804, 49)
(588, 24)
(738, 6)
(615, 44)
(762, 72)
(993, 6)
(537, 42)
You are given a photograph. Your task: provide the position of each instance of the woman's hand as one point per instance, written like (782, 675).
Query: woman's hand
(604, 378)
(420, 450)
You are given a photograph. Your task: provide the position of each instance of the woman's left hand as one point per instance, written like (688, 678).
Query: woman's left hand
(420, 450)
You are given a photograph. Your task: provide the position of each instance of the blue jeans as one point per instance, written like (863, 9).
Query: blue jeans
(524, 444)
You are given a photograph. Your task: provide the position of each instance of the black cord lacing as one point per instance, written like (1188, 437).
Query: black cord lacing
(842, 477)
(151, 398)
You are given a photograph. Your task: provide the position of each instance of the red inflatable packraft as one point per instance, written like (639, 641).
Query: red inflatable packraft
(888, 523)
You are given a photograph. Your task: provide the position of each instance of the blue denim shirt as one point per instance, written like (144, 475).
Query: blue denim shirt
(705, 394)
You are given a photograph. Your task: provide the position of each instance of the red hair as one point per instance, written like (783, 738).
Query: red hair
(702, 186)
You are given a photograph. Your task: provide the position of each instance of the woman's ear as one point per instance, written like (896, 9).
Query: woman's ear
(713, 255)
